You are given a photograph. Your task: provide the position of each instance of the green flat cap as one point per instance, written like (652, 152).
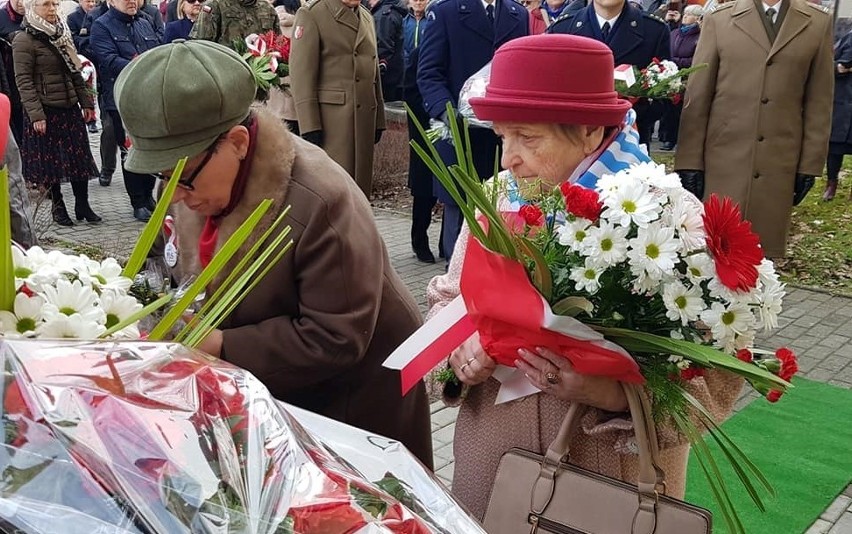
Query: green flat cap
(176, 99)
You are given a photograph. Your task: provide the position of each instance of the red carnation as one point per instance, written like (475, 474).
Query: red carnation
(581, 201)
(789, 363)
(774, 395)
(745, 355)
(532, 215)
(734, 247)
(691, 372)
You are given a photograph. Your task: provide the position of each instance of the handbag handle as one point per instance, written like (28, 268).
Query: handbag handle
(651, 476)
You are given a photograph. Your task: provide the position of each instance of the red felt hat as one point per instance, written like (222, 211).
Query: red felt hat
(561, 79)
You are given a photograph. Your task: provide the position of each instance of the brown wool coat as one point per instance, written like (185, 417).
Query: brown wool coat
(603, 443)
(317, 328)
(760, 112)
(43, 79)
(334, 75)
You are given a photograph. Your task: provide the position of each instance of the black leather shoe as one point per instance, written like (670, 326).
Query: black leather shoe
(105, 179)
(151, 204)
(667, 147)
(424, 255)
(60, 216)
(141, 214)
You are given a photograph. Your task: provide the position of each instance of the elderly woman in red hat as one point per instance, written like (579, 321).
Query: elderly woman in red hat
(551, 100)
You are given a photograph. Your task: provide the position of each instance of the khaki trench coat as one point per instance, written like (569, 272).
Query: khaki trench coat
(317, 328)
(760, 112)
(334, 73)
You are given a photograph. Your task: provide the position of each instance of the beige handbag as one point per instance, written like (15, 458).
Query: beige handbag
(545, 494)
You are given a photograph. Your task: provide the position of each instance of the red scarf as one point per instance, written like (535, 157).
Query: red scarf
(210, 232)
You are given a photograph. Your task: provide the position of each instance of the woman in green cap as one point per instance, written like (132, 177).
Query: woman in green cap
(317, 328)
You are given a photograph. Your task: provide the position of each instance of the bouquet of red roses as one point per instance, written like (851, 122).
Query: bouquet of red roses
(155, 438)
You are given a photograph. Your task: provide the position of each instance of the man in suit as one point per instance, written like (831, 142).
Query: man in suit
(460, 39)
(334, 79)
(756, 122)
(635, 38)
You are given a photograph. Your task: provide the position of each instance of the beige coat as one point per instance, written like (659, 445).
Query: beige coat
(603, 443)
(280, 99)
(760, 112)
(336, 85)
(317, 328)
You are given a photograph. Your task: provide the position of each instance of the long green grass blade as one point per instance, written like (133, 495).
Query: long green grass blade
(152, 228)
(236, 291)
(712, 472)
(141, 314)
(219, 261)
(730, 445)
(7, 268)
(239, 268)
(244, 287)
(635, 341)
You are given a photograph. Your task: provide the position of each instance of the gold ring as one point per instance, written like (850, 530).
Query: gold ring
(470, 360)
(552, 378)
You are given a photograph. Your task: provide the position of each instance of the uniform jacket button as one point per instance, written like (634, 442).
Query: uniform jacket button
(764, 100)
(756, 175)
(760, 138)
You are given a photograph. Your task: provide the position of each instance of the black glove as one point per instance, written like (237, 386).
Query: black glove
(804, 182)
(693, 181)
(314, 137)
(378, 136)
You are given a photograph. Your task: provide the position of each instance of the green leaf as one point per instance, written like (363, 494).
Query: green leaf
(573, 306)
(152, 228)
(541, 277)
(219, 261)
(7, 268)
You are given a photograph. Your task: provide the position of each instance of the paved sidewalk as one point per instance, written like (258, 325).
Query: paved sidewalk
(818, 326)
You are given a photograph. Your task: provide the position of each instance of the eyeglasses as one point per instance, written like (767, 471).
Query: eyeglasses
(194, 1)
(187, 184)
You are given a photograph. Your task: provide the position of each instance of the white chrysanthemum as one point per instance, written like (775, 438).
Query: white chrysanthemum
(768, 305)
(654, 250)
(33, 268)
(633, 202)
(118, 308)
(574, 233)
(25, 319)
(719, 290)
(682, 303)
(587, 278)
(655, 175)
(69, 298)
(606, 244)
(726, 322)
(608, 184)
(105, 275)
(70, 326)
(699, 267)
(766, 273)
(645, 283)
(686, 217)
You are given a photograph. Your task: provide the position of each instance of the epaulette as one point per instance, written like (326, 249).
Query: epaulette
(564, 16)
(654, 18)
(719, 7)
(819, 7)
(311, 3)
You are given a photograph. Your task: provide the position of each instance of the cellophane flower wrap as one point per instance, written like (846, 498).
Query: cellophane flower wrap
(473, 87)
(142, 437)
(661, 80)
(635, 280)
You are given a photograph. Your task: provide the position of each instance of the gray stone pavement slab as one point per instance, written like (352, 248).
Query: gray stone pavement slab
(817, 325)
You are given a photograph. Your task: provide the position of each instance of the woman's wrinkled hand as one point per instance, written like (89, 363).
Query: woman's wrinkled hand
(40, 127)
(470, 363)
(555, 375)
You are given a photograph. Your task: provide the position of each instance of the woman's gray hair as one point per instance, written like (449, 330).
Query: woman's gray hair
(694, 10)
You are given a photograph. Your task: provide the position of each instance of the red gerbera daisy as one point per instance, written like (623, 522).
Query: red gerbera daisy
(734, 247)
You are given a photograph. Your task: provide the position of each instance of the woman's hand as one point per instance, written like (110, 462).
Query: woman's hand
(88, 115)
(555, 375)
(212, 344)
(470, 362)
(40, 127)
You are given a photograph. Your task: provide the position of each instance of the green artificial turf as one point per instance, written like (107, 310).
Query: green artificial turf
(803, 444)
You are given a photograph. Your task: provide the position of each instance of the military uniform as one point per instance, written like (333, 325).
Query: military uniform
(334, 79)
(228, 21)
(636, 39)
